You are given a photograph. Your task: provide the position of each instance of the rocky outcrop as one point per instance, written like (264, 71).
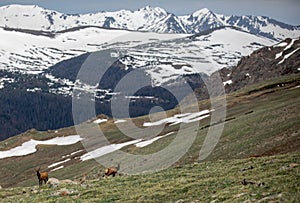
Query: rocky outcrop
(265, 63)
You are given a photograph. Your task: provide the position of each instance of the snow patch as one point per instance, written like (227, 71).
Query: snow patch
(120, 121)
(278, 55)
(4, 80)
(98, 121)
(71, 154)
(30, 146)
(60, 167)
(106, 150)
(282, 44)
(180, 118)
(36, 89)
(228, 82)
(288, 55)
(59, 163)
(148, 142)
(290, 44)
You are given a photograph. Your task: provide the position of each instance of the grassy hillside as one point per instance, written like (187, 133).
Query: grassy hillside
(265, 179)
(263, 120)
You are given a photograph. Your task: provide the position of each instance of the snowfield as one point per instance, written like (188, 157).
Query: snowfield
(165, 61)
(30, 146)
(164, 57)
(31, 54)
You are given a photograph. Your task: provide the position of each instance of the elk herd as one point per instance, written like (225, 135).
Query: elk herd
(43, 176)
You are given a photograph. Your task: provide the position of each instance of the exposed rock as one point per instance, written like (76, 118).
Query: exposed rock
(293, 165)
(68, 182)
(262, 64)
(64, 192)
(53, 182)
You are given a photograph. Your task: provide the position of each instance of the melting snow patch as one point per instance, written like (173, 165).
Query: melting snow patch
(30, 146)
(288, 55)
(290, 45)
(106, 150)
(148, 142)
(228, 82)
(180, 118)
(282, 44)
(278, 55)
(58, 163)
(3, 80)
(98, 121)
(76, 152)
(60, 167)
(36, 89)
(120, 121)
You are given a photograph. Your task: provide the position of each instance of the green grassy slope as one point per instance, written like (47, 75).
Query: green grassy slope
(267, 179)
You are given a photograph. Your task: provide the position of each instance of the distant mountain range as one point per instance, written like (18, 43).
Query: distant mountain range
(42, 51)
(152, 19)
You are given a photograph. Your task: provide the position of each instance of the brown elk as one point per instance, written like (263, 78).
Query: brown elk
(42, 176)
(111, 171)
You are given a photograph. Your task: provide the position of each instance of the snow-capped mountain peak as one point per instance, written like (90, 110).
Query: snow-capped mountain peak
(157, 10)
(202, 12)
(153, 19)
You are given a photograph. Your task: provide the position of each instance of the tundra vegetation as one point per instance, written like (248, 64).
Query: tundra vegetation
(256, 159)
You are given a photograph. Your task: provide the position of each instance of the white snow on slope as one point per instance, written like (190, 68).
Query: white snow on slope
(163, 60)
(145, 19)
(228, 82)
(5, 80)
(290, 44)
(72, 153)
(58, 168)
(32, 54)
(106, 150)
(281, 44)
(98, 121)
(288, 55)
(37, 18)
(120, 121)
(278, 55)
(180, 118)
(58, 163)
(148, 142)
(29, 147)
(166, 61)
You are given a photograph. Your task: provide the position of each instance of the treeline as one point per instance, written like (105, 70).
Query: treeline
(21, 110)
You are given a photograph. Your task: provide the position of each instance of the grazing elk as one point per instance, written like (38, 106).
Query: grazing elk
(111, 171)
(41, 176)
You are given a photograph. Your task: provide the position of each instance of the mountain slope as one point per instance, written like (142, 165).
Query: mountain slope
(25, 69)
(153, 19)
(262, 119)
(265, 63)
(268, 179)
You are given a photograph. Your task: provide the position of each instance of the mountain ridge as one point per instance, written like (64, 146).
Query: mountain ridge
(154, 19)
